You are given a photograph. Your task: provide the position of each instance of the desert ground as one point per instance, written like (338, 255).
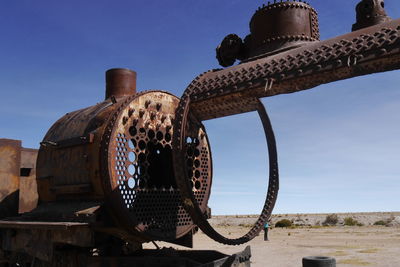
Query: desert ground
(366, 245)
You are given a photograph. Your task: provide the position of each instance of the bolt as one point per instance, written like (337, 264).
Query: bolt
(141, 113)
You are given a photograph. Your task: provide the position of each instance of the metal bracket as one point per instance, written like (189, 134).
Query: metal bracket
(75, 141)
(268, 84)
(351, 60)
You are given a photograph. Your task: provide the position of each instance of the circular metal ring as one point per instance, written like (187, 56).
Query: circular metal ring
(188, 199)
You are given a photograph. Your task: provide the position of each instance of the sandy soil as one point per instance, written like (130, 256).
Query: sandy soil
(366, 218)
(349, 245)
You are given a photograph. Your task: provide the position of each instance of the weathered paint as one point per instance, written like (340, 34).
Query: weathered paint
(10, 159)
(28, 197)
(18, 190)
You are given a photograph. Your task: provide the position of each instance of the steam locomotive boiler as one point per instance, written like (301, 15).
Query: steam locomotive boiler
(119, 152)
(137, 167)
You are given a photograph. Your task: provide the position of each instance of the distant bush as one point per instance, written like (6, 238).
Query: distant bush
(384, 223)
(246, 225)
(331, 219)
(283, 223)
(349, 221)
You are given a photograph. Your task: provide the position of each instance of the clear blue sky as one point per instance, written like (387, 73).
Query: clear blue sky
(338, 144)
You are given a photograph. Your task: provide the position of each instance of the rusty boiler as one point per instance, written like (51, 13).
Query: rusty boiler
(119, 153)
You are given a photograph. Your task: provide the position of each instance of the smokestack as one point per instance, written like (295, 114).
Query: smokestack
(120, 82)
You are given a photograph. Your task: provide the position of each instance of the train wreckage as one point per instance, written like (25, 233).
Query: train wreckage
(137, 167)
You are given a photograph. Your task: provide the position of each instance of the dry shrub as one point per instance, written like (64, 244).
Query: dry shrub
(283, 223)
(381, 222)
(331, 219)
(349, 221)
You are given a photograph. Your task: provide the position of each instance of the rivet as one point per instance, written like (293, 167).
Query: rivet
(141, 113)
(147, 103)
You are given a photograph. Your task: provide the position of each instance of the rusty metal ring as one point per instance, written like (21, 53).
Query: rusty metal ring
(183, 183)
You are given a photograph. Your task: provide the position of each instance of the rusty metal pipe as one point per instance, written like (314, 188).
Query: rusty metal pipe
(369, 50)
(120, 82)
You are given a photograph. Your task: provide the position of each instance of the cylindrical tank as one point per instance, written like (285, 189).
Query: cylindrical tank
(282, 25)
(120, 152)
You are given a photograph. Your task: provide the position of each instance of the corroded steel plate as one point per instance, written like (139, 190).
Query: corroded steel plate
(143, 187)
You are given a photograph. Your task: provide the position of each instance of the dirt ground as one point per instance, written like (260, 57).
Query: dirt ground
(349, 245)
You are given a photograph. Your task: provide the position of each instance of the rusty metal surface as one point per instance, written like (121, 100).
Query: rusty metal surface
(120, 82)
(181, 133)
(371, 50)
(10, 161)
(38, 241)
(56, 178)
(274, 27)
(28, 197)
(137, 156)
(369, 13)
(120, 152)
(41, 225)
(18, 191)
(67, 211)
